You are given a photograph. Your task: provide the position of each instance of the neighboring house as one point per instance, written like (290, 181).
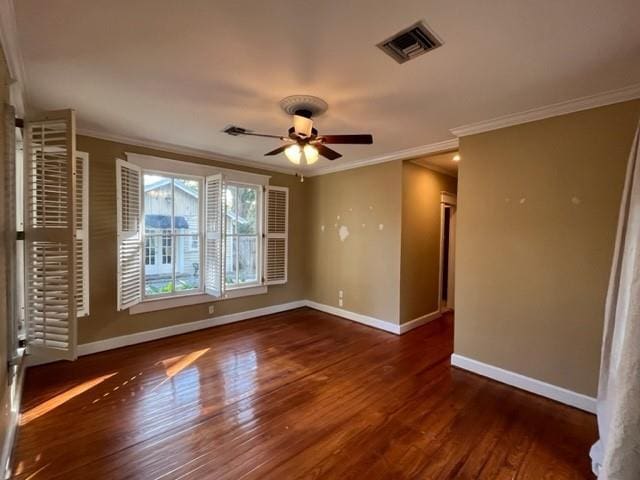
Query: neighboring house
(158, 258)
(158, 242)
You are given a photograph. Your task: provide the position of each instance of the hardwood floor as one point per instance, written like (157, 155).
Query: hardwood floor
(300, 394)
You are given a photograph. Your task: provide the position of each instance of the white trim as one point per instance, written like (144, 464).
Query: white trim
(182, 150)
(407, 154)
(561, 108)
(180, 167)
(238, 292)
(559, 394)
(154, 305)
(418, 322)
(356, 317)
(147, 336)
(12, 399)
(11, 48)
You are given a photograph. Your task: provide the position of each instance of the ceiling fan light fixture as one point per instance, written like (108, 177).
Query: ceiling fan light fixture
(302, 125)
(293, 153)
(310, 154)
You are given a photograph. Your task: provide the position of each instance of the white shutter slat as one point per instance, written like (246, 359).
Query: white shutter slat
(50, 227)
(129, 185)
(214, 224)
(82, 234)
(276, 242)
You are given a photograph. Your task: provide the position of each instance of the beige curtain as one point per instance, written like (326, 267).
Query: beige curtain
(616, 455)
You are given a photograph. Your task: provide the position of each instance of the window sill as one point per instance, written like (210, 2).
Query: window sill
(171, 302)
(245, 291)
(195, 299)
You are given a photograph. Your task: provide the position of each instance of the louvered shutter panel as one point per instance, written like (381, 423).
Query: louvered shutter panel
(276, 235)
(82, 234)
(214, 227)
(8, 214)
(128, 195)
(50, 235)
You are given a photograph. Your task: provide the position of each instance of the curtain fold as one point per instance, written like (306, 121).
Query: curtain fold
(616, 455)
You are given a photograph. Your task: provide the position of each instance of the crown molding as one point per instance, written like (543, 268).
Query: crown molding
(182, 150)
(407, 154)
(13, 56)
(562, 108)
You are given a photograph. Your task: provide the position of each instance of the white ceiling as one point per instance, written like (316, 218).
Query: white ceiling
(178, 72)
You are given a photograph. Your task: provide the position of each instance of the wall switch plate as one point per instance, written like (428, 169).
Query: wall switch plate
(211, 308)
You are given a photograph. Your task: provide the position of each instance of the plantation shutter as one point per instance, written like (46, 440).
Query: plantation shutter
(82, 234)
(214, 225)
(50, 229)
(276, 235)
(128, 195)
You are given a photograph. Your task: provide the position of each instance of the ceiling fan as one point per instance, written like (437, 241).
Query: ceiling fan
(303, 138)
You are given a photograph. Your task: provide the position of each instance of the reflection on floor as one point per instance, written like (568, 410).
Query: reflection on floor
(297, 394)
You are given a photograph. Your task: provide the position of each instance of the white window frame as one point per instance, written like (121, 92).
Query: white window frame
(178, 168)
(160, 246)
(258, 235)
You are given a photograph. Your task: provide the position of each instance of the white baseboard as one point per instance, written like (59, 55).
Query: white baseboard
(418, 322)
(356, 317)
(559, 394)
(134, 338)
(11, 400)
(141, 337)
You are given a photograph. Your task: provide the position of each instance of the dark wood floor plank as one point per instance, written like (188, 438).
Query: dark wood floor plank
(300, 394)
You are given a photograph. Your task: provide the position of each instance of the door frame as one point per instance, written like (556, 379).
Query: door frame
(447, 201)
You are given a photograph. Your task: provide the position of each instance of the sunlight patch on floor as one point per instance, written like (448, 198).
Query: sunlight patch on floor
(46, 407)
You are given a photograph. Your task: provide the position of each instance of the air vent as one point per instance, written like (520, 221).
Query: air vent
(410, 43)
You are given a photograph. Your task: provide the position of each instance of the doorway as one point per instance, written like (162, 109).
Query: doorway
(448, 202)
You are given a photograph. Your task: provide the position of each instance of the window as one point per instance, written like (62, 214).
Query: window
(171, 212)
(166, 250)
(241, 235)
(149, 251)
(188, 228)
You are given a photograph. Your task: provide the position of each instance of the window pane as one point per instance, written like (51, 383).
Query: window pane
(231, 254)
(158, 206)
(187, 260)
(231, 205)
(158, 266)
(187, 201)
(247, 210)
(247, 260)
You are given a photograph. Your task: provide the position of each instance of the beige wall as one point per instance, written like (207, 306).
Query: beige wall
(537, 213)
(420, 258)
(366, 265)
(104, 321)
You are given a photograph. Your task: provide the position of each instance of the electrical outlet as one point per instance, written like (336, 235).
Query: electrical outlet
(339, 302)
(340, 294)
(211, 308)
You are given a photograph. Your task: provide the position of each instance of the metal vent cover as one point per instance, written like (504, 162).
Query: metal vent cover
(410, 43)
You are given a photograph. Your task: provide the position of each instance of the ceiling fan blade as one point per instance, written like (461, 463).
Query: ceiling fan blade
(327, 152)
(236, 131)
(276, 151)
(364, 139)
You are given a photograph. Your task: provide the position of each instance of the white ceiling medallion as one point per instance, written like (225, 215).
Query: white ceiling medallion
(293, 103)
